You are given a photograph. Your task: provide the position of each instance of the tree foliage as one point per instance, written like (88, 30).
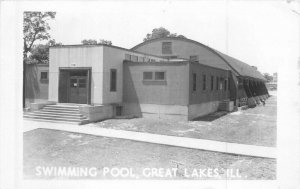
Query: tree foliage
(39, 54)
(35, 27)
(95, 42)
(161, 32)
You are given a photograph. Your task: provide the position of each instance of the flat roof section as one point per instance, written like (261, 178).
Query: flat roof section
(103, 45)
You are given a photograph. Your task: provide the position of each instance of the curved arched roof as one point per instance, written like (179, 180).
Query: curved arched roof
(237, 66)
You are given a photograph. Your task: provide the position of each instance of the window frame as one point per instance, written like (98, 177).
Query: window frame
(154, 76)
(113, 86)
(47, 76)
(203, 82)
(212, 83)
(166, 47)
(164, 79)
(132, 57)
(144, 76)
(194, 82)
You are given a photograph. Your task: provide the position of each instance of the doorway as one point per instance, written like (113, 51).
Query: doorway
(74, 86)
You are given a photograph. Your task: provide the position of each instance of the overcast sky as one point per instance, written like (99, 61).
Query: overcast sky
(259, 33)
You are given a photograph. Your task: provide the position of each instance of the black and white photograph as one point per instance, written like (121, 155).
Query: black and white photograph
(167, 91)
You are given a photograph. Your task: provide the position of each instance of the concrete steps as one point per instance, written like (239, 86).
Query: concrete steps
(58, 113)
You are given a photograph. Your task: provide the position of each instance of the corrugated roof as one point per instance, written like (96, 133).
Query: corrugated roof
(238, 67)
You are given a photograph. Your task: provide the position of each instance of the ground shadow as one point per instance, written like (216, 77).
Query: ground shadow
(211, 117)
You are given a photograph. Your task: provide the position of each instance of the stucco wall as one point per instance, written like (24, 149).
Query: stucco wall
(113, 59)
(36, 89)
(184, 49)
(197, 110)
(207, 95)
(44, 84)
(77, 56)
(172, 91)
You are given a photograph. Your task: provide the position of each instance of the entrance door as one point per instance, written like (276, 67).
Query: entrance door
(78, 88)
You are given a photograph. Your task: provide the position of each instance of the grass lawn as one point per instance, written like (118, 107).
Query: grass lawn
(44, 147)
(255, 126)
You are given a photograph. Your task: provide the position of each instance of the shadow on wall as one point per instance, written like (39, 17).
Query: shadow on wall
(32, 88)
(130, 97)
(211, 117)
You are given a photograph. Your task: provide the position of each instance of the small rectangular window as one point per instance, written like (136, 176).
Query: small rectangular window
(127, 57)
(147, 59)
(141, 59)
(193, 58)
(147, 75)
(225, 84)
(134, 58)
(204, 82)
(194, 82)
(113, 80)
(212, 83)
(159, 75)
(44, 75)
(217, 84)
(166, 48)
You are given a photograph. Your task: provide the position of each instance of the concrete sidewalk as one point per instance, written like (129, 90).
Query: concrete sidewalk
(210, 145)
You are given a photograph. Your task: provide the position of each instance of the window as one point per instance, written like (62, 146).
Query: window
(204, 82)
(152, 60)
(44, 75)
(166, 48)
(78, 73)
(159, 75)
(212, 83)
(73, 83)
(147, 75)
(134, 58)
(217, 84)
(194, 82)
(147, 59)
(194, 58)
(82, 83)
(127, 57)
(141, 59)
(225, 84)
(113, 80)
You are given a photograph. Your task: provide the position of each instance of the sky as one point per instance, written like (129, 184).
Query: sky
(260, 33)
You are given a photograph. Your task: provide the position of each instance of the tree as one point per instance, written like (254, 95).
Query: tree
(268, 77)
(39, 54)
(94, 42)
(104, 42)
(35, 28)
(161, 32)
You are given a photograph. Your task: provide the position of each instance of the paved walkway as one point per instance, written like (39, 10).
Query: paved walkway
(210, 145)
